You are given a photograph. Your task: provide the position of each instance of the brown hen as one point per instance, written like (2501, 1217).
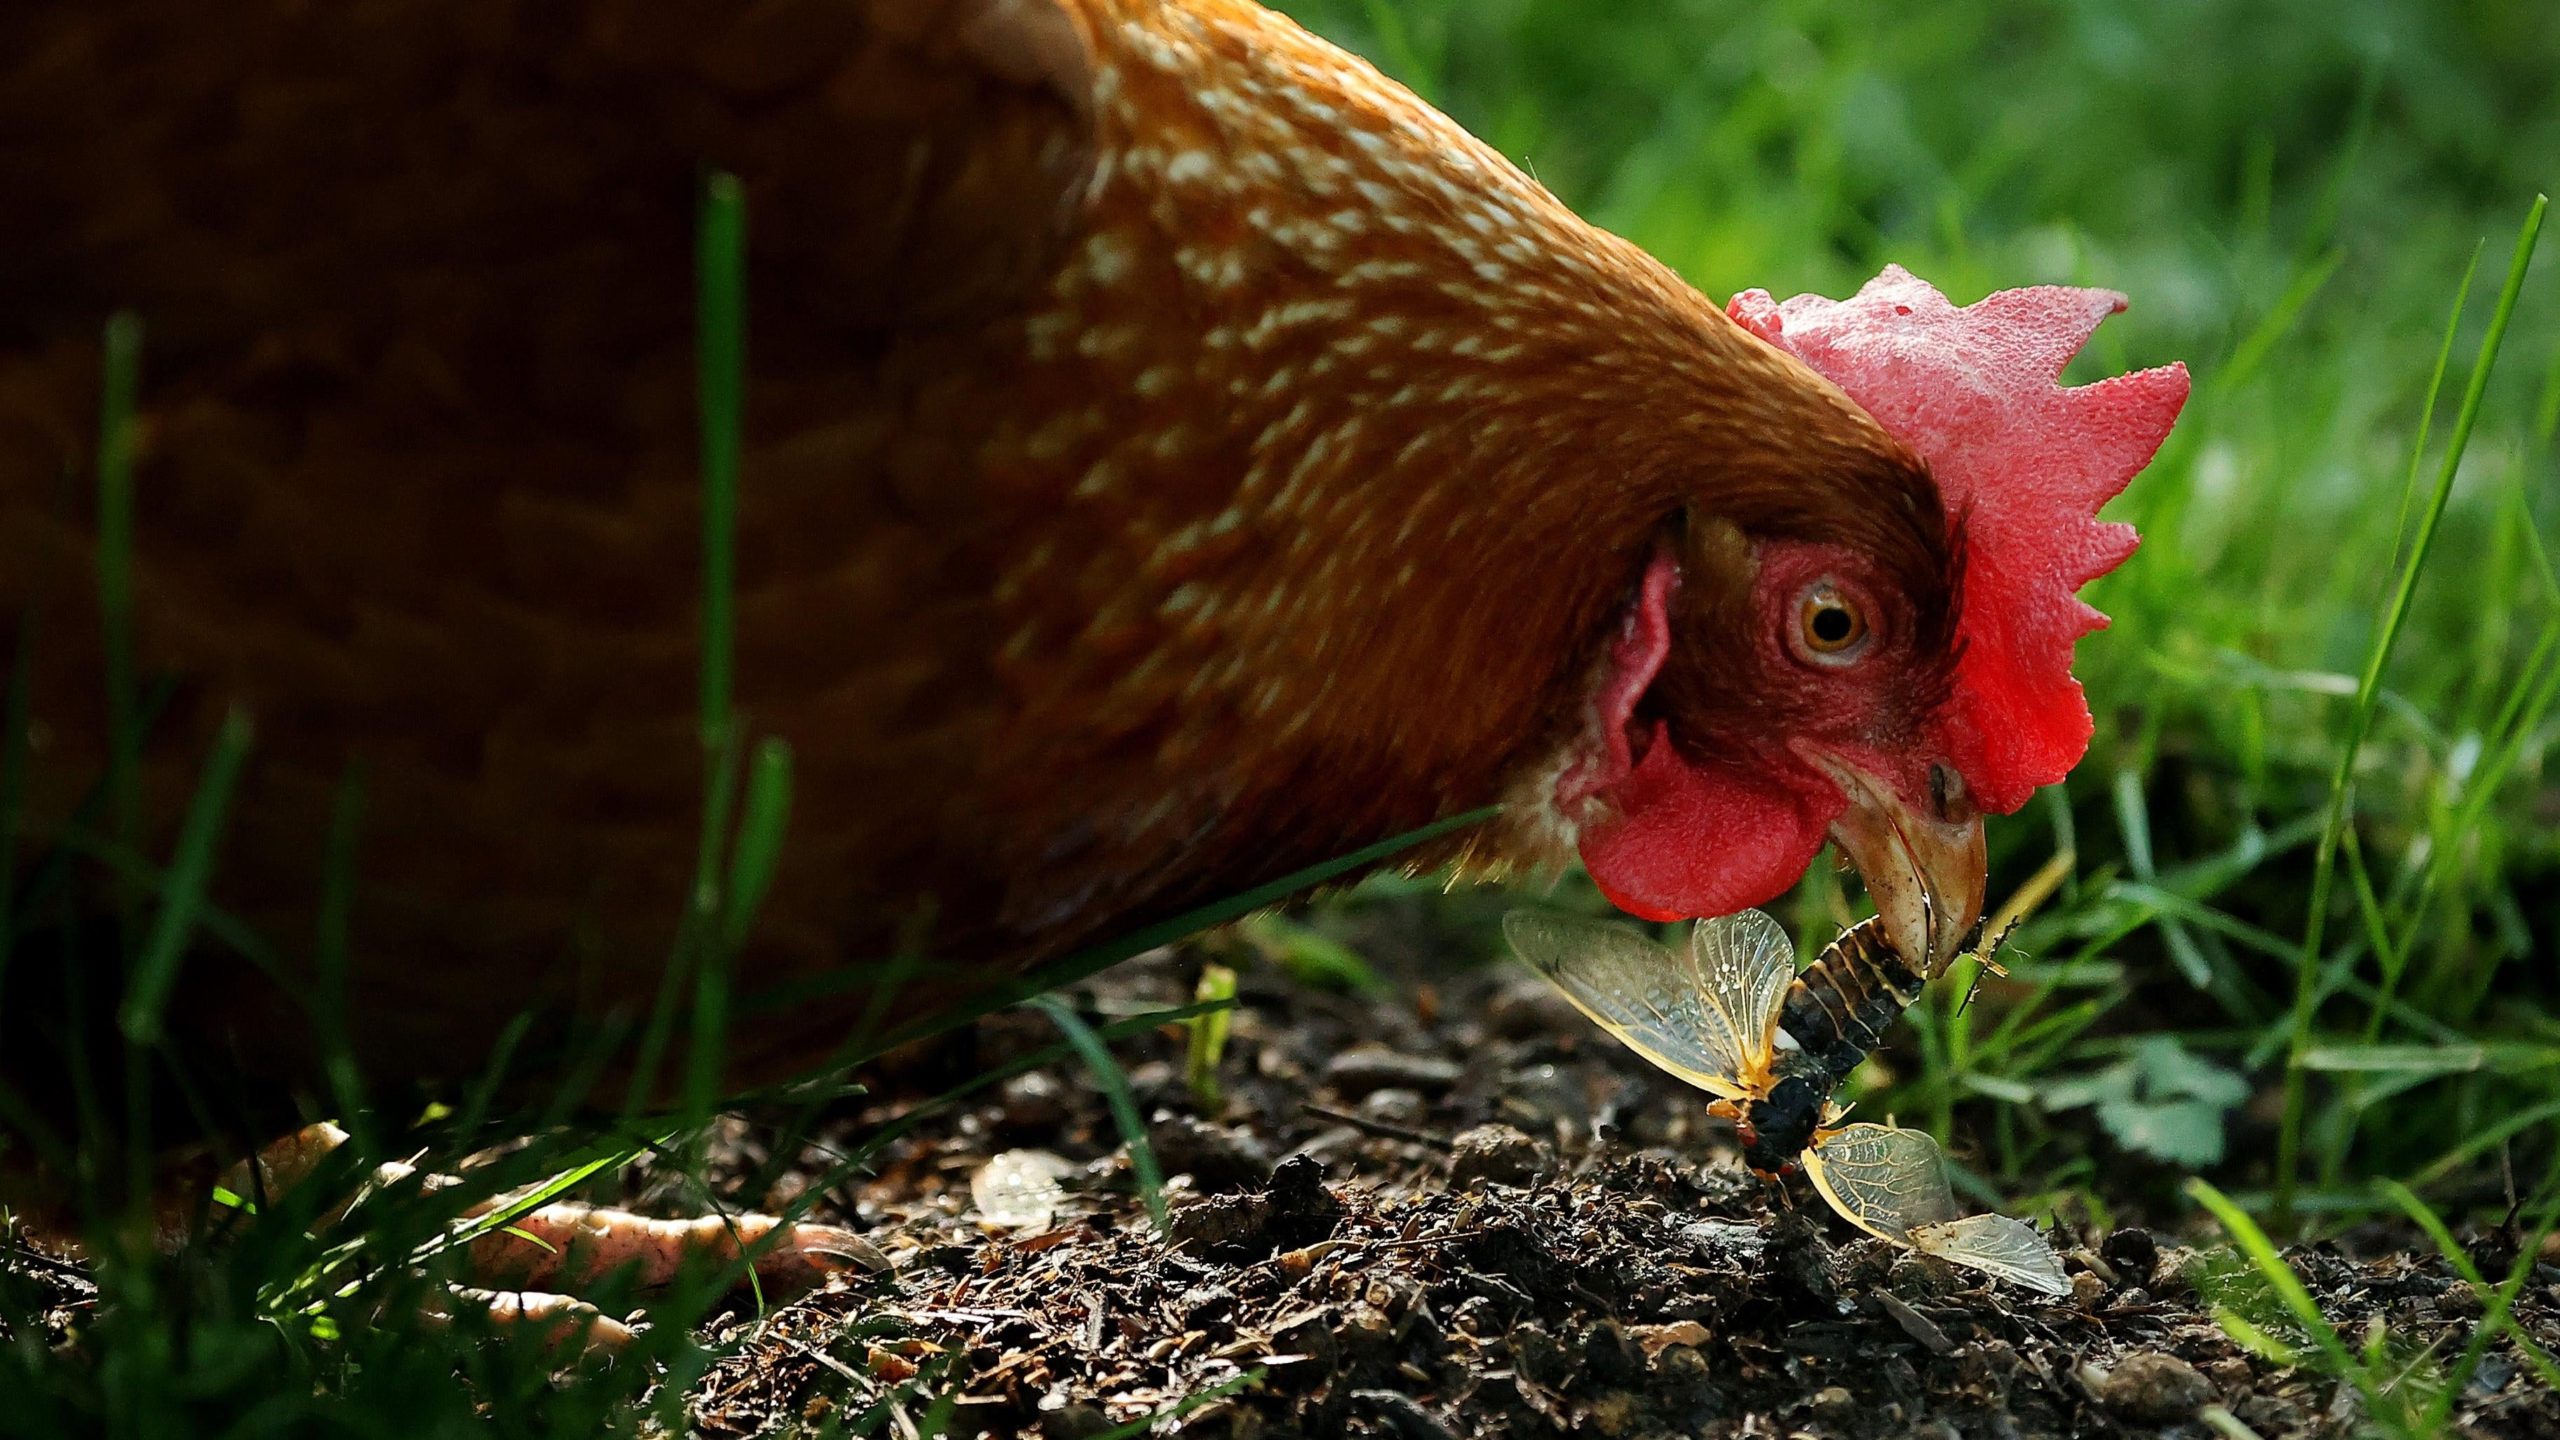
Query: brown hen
(1176, 455)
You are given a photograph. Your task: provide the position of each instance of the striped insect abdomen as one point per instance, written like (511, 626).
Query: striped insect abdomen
(1834, 1012)
(1845, 1001)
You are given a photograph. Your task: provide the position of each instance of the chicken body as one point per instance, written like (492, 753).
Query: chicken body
(1176, 455)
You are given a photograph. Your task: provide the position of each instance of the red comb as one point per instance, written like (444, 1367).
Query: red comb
(2023, 464)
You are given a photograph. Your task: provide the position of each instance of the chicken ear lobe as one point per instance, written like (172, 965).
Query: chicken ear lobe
(1614, 741)
(1667, 835)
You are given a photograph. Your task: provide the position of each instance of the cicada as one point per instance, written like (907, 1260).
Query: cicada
(1729, 1014)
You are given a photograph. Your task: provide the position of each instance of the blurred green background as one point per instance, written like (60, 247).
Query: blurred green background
(2291, 193)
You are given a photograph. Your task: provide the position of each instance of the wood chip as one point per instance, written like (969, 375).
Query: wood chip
(1654, 1339)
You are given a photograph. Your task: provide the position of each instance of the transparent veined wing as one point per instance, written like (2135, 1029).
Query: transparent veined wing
(1648, 995)
(1885, 1180)
(1745, 963)
(1892, 1183)
(1998, 1246)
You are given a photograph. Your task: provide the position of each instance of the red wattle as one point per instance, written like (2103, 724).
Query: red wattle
(1692, 839)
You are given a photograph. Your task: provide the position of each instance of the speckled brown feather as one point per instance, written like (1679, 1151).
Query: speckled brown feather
(1176, 455)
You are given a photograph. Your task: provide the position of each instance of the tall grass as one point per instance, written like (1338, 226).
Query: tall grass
(2310, 966)
(2310, 844)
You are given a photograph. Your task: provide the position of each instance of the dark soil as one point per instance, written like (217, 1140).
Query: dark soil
(1457, 1209)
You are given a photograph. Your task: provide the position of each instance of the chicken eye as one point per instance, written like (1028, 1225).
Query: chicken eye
(1831, 629)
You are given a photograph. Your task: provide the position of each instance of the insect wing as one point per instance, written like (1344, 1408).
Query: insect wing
(1998, 1246)
(1647, 995)
(1744, 964)
(1883, 1179)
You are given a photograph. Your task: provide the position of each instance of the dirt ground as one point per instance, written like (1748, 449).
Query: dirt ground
(1455, 1208)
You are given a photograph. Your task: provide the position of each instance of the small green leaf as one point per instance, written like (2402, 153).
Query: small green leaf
(2183, 1132)
(1208, 1036)
(2171, 1069)
(2163, 1100)
(2114, 1082)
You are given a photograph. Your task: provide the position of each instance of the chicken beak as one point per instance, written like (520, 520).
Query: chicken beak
(1925, 872)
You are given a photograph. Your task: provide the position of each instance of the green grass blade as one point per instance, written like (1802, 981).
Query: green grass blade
(1114, 1082)
(699, 922)
(518, 1207)
(2360, 718)
(2435, 390)
(758, 852)
(154, 972)
(694, 951)
(2387, 952)
(707, 1049)
(697, 971)
(2133, 822)
(2245, 1333)
(1207, 1037)
(2288, 1287)
(2488, 1137)
(2425, 1218)
(2454, 1059)
(720, 314)
(2280, 319)
(1095, 959)
(190, 873)
(2497, 1302)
